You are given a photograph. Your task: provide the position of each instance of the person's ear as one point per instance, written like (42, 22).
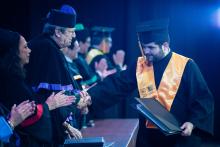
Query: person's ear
(57, 33)
(166, 44)
(165, 48)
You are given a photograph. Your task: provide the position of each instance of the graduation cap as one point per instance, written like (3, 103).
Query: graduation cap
(103, 32)
(62, 18)
(9, 41)
(79, 27)
(153, 31)
(82, 33)
(99, 33)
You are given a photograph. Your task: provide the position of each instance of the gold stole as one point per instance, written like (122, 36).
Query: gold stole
(92, 54)
(169, 83)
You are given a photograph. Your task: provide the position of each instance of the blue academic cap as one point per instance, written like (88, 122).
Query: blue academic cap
(68, 9)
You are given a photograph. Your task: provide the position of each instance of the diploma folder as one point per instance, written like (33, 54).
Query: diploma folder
(153, 111)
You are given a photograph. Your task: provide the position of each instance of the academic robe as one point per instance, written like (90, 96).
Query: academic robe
(74, 71)
(83, 67)
(114, 111)
(193, 102)
(46, 73)
(14, 90)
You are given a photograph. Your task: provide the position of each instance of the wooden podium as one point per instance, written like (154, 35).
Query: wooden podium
(123, 132)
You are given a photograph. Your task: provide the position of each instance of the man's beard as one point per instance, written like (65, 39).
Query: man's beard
(150, 59)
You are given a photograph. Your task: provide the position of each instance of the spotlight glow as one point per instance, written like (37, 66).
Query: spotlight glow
(217, 18)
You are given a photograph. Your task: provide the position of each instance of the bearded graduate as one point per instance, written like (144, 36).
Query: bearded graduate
(172, 79)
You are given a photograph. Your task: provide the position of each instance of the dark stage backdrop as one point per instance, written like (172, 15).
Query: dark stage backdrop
(193, 28)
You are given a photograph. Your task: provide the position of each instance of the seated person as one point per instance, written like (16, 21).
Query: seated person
(14, 54)
(71, 56)
(79, 69)
(100, 66)
(101, 45)
(84, 39)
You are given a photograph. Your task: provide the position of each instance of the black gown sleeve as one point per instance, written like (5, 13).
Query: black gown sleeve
(16, 91)
(41, 130)
(201, 101)
(112, 89)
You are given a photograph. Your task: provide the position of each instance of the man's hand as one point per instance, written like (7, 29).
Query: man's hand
(106, 73)
(84, 101)
(72, 132)
(118, 59)
(187, 128)
(85, 110)
(59, 100)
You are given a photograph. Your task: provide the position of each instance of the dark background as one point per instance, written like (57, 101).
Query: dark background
(193, 27)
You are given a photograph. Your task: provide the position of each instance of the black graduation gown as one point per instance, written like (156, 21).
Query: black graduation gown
(83, 67)
(89, 77)
(46, 73)
(73, 70)
(13, 90)
(193, 102)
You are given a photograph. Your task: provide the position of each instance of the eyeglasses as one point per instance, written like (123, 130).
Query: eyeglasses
(70, 31)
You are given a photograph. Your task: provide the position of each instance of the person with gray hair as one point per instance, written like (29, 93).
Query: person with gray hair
(48, 71)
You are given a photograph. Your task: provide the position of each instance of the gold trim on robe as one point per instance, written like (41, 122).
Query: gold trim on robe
(169, 83)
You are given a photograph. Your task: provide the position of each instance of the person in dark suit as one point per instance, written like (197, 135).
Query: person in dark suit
(14, 55)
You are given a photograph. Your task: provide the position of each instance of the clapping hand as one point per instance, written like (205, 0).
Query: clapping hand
(84, 101)
(59, 100)
(21, 112)
(118, 59)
